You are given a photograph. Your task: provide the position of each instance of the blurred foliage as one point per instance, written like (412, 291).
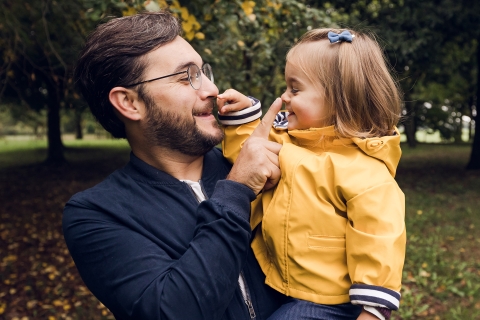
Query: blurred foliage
(244, 41)
(431, 46)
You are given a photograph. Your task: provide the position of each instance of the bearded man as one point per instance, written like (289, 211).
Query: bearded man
(168, 235)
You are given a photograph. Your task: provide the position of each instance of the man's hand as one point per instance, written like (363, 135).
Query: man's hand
(232, 100)
(365, 315)
(257, 164)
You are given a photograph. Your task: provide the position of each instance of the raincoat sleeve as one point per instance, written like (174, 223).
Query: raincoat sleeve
(238, 126)
(375, 245)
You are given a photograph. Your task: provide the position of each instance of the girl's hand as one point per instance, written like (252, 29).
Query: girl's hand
(232, 100)
(365, 315)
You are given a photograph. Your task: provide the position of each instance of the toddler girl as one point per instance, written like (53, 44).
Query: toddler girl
(331, 234)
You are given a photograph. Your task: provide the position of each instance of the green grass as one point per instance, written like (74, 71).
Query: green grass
(19, 153)
(442, 267)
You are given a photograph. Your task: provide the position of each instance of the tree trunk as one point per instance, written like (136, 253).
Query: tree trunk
(78, 125)
(474, 163)
(410, 125)
(457, 134)
(55, 145)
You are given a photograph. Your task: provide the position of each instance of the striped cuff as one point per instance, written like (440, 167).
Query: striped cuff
(281, 121)
(243, 116)
(374, 296)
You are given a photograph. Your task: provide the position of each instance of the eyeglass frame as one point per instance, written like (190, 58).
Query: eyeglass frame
(177, 73)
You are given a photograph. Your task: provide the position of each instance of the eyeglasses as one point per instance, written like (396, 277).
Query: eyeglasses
(194, 76)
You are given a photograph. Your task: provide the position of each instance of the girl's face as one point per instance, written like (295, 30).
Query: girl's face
(304, 100)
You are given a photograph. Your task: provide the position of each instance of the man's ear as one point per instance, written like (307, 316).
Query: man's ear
(126, 102)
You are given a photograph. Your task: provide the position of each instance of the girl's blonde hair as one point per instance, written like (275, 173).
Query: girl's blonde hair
(361, 98)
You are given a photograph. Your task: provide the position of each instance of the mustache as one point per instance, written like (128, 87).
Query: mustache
(207, 108)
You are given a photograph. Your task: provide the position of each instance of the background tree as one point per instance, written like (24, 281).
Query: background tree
(40, 42)
(433, 48)
(431, 45)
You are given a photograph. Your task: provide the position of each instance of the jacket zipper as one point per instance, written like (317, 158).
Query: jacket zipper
(246, 296)
(241, 280)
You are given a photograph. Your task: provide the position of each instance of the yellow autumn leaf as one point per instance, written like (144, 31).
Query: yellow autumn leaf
(184, 13)
(51, 318)
(175, 5)
(31, 304)
(10, 258)
(186, 26)
(3, 306)
(274, 5)
(57, 303)
(194, 22)
(190, 25)
(208, 17)
(240, 43)
(200, 36)
(207, 51)
(247, 7)
(129, 12)
(190, 35)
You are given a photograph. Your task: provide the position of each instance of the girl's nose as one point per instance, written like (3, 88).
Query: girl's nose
(285, 97)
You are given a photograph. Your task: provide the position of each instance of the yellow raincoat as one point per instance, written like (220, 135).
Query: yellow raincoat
(335, 219)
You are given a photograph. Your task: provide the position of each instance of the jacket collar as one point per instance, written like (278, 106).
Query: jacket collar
(213, 170)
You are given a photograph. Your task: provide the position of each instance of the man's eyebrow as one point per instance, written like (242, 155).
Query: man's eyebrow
(184, 66)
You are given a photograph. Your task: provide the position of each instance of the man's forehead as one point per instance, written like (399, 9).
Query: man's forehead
(174, 56)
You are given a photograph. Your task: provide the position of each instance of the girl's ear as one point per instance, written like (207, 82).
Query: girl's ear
(125, 102)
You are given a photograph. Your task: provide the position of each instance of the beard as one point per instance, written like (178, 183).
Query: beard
(178, 132)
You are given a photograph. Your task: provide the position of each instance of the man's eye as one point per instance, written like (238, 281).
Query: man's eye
(184, 79)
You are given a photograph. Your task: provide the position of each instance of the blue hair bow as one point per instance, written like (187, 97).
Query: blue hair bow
(344, 36)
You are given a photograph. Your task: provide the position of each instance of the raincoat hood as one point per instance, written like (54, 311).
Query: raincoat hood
(386, 149)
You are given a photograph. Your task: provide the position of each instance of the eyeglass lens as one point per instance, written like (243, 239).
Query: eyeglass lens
(195, 75)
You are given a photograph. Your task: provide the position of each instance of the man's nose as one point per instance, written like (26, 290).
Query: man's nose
(208, 88)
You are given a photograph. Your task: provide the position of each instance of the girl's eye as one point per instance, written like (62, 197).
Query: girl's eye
(294, 90)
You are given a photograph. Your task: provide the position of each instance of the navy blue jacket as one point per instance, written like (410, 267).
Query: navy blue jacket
(147, 250)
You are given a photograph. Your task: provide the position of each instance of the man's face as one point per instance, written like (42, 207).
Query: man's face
(179, 117)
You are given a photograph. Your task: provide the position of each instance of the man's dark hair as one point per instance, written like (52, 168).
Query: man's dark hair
(113, 56)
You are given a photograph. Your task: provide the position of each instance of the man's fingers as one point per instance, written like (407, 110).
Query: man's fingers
(273, 147)
(265, 125)
(273, 158)
(273, 179)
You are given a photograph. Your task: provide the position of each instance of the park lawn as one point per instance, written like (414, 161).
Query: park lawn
(39, 280)
(442, 267)
(33, 151)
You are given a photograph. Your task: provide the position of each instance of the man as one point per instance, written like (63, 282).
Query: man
(168, 235)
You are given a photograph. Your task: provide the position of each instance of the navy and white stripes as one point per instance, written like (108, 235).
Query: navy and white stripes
(374, 296)
(243, 116)
(281, 121)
